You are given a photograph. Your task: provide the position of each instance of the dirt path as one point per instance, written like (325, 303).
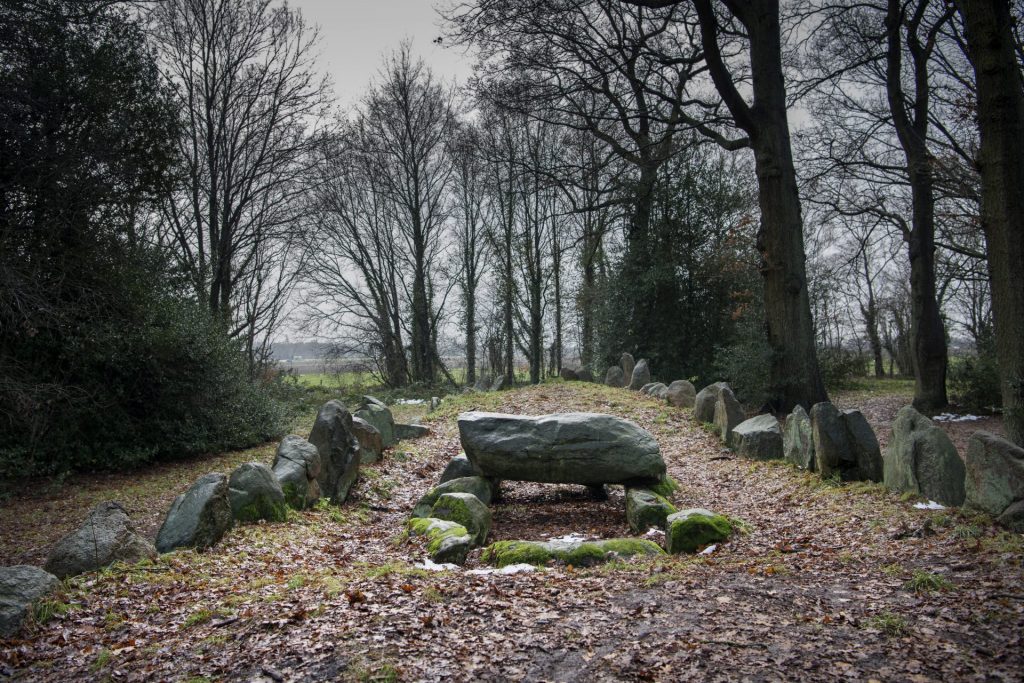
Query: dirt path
(819, 587)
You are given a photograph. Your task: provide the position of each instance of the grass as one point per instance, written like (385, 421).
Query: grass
(200, 616)
(888, 623)
(926, 582)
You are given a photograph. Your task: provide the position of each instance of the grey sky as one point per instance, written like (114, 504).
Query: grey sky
(357, 34)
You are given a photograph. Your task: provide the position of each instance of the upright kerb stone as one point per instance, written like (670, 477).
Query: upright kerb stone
(567, 448)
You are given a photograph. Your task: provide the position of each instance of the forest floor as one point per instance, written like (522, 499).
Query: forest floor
(826, 581)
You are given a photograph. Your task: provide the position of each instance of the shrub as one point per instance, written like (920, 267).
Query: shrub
(974, 378)
(839, 367)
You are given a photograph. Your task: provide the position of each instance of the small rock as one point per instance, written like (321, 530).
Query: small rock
(106, 536)
(689, 530)
(458, 467)
(20, 587)
(198, 518)
(646, 509)
(256, 494)
(478, 486)
(575, 552)
(404, 431)
(447, 541)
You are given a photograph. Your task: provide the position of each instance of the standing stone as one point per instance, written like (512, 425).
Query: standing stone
(568, 374)
(646, 509)
(798, 440)
(339, 450)
(20, 587)
(107, 536)
(921, 459)
(371, 443)
(627, 364)
(681, 394)
(567, 448)
(435, 403)
(255, 494)
(467, 510)
(584, 374)
(499, 383)
(198, 518)
(704, 402)
(458, 467)
(641, 375)
(728, 415)
(844, 444)
(758, 438)
(995, 478)
(614, 377)
(297, 466)
(379, 415)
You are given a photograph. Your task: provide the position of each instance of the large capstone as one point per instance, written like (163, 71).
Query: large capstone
(921, 459)
(614, 377)
(256, 494)
(339, 451)
(844, 445)
(297, 466)
(566, 448)
(641, 375)
(758, 438)
(20, 587)
(995, 478)
(106, 536)
(379, 415)
(798, 439)
(728, 415)
(199, 517)
(705, 400)
(681, 394)
(371, 443)
(646, 509)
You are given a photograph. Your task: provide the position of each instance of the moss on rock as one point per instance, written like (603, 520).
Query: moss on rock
(478, 486)
(467, 510)
(646, 509)
(447, 541)
(666, 487)
(690, 530)
(576, 553)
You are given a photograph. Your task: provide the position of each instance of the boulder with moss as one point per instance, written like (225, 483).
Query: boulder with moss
(921, 459)
(333, 436)
(995, 478)
(705, 400)
(798, 439)
(665, 487)
(565, 448)
(759, 438)
(21, 587)
(256, 494)
(297, 466)
(467, 510)
(646, 509)
(198, 518)
(106, 536)
(447, 541)
(478, 486)
(690, 530)
(578, 553)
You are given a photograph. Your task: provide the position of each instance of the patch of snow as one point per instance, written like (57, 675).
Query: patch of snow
(410, 401)
(509, 569)
(953, 417)
(710, 549)
(654, 531)
(432, 566)
(930, 505)
(569, 538)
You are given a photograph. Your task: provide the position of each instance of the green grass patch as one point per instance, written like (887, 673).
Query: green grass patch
(200, 616)
(888, 623)
(926, 582)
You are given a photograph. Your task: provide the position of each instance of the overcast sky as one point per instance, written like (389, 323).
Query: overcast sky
(357, 34)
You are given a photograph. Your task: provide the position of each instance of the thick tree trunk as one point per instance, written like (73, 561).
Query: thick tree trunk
(1001, 123)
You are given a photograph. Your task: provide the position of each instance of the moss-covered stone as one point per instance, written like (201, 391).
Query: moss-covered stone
(689, 530)
(576, 553)
(478, 486)
(665, 487)
(646, 509)
(467, 510)
(447, 541)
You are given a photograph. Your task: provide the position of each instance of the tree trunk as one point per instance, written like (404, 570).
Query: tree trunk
(1001, 123)
(470, 336)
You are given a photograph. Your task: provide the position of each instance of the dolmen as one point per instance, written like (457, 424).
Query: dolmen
(591, 449)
